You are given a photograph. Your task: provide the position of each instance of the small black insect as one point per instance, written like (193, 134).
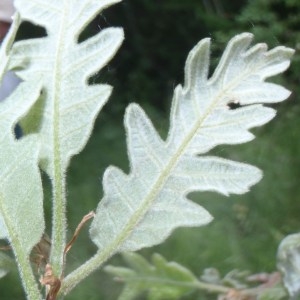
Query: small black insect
(233, 105)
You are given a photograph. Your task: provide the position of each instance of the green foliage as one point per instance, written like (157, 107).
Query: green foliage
(21, 195)
(6, 264)
(162, 279)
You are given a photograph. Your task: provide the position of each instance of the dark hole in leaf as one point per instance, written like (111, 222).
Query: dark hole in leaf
(28, 30)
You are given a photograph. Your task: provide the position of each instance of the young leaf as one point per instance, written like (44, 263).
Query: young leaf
(21, 194)
(65, 115)
(161, 279)
(142, 208)
(288, 262)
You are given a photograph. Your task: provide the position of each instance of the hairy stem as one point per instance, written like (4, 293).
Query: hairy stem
(23, 262)
(59, 224)
(83, 271)
(25, 271)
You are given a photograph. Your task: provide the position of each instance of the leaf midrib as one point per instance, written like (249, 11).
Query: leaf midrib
(59, 217)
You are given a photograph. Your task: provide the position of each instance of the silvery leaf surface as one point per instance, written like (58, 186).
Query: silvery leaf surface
(6, 45)
(21, 191)
(288, 262)
(21, 194)
(140, 209)
(64, 115)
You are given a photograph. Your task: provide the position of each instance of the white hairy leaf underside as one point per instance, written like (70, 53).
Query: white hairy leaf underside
(140, 209)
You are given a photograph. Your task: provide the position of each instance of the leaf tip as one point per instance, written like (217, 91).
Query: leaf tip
(245, 37)
(132, 110)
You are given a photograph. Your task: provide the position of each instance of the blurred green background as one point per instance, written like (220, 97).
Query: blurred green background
(159, 34)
